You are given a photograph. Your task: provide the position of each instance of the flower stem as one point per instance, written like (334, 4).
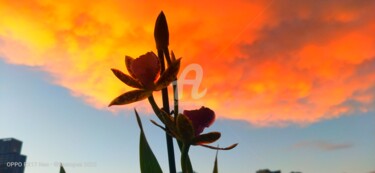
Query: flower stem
(164, 92)
(185, 158)
(175, 98)
(155, 107)
(176, 111)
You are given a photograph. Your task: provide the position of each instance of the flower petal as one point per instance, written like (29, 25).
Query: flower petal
(146, 69)
(131, 97)
(185, 128)
(206, 138)
(173, 56)
(126, 79)
(128, 63)
(201, 118)
(218, 148)
(169, 75)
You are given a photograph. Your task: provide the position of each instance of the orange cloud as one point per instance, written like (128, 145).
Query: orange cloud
(266, 62)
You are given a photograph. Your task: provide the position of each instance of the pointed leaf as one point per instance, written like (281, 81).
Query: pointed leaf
(169, 75)
(62, 170)
(206, 138)
(163, 128)
(138, 120)
(148, 161)
(185, 128)
(126, 79)
(158, 125)
(215, 164)
(217, 148)
(130, 97)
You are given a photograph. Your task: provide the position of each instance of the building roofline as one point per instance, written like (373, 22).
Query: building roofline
(9, 139)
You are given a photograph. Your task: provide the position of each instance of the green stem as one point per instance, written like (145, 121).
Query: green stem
(164, 92)
(175, 99)
(185, 159)
(155, 107)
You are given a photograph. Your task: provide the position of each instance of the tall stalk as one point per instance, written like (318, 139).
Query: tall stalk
(161, 35)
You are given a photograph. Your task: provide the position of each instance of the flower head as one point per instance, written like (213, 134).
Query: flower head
(187, 127)
(145, 69)
(145, 76)
(200, 118)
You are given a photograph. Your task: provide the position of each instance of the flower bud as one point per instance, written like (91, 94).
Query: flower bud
(161, 32)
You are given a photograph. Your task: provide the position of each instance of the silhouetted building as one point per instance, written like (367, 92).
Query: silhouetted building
(11, 160)
(267, 171)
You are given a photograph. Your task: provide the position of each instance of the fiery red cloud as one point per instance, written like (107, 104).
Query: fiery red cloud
(266, 62)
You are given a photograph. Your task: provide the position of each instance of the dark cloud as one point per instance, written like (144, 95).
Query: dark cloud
(322, 145)
(297, 23)
(283, 40)
(290, 9)
(360, 101)
(367, 67)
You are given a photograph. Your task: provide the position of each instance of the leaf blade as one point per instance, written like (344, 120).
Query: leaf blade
(130, 97)
(148, 161)
(62, 170)
(215, 163)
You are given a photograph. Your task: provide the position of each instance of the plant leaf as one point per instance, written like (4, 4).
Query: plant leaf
(148, 161)
(158, 125)
(130, 97)
(127, 79)
(215, 164)
(206, 138)
(62, 170)
(169, 75)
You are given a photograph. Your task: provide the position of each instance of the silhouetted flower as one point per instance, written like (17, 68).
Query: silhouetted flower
(144, 75)
(187, 127)
(200, 118)
(144, 69)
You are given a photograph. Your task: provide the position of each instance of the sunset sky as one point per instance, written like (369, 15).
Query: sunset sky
(292, 81)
